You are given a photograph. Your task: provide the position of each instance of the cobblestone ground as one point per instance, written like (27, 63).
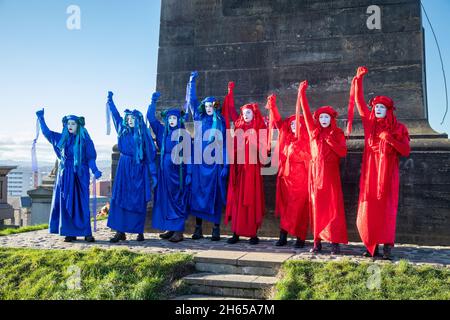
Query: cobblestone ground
(439, 256)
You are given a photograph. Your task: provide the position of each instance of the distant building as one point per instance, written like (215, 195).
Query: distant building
(20, 181)
(103, 188)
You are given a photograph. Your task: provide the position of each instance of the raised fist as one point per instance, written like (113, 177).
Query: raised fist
(194, 75)
(362, 71)
(40, 113)
(110, 95)
(155, 96)
(230, 86)
(271, 101)
(303, 86)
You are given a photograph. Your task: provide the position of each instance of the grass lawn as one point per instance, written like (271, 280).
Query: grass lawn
(92, 274)
(306, 280)
(10, 231)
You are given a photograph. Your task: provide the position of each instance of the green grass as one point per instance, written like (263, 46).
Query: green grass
(345, 280)
(90, 275)
(10, 231)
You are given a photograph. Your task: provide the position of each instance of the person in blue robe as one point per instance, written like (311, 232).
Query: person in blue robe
(135, 176)
(70, 215)
(174, 176)
(209, 178)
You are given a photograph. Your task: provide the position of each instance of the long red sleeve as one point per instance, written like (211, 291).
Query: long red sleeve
(360, 101)
(338, 143)
(307, 112)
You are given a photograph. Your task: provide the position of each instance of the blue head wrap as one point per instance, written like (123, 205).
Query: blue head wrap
(217, 117)
(180, 125)
(80, 139)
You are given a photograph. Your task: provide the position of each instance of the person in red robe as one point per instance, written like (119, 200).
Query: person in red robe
(292, 196)
(386, 140)
(245, 199)
(328, 146)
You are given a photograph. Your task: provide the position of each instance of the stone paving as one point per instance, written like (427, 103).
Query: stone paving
(439, 256)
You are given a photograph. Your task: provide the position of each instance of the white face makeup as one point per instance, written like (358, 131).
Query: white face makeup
(293, 126)
(173, 121)
(72, 126)
(325, 120)
(209, 108)
(248, 115)
(380, 111)
(131, 121)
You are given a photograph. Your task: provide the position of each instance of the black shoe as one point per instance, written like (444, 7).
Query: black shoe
(198, 233)
(215, 234)
(234, 239)
(254, 241)
(317, 247)
(70, 239)
(387, 252)
(335, 248)
(166, 235)
(283, 239)
(368, 255)
(89, 239)
(299, 244)
(119, 236)
(177, 237)
(140, 237)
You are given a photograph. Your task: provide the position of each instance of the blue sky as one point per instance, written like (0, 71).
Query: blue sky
(42, 63)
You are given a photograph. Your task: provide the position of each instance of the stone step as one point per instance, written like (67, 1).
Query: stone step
(206, 297)
(234, 285)
(243, 259)
(232, 269)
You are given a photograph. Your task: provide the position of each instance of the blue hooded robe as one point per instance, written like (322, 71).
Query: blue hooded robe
(209, 181)
(171, 195)
(70, 213)
(132, 188)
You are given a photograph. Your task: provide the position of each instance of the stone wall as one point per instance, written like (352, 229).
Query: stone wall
(269, 46)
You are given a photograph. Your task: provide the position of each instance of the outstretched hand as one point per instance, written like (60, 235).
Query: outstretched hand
(362, 71)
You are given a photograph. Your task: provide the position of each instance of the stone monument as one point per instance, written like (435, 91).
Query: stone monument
(269, 46)
(6, 210)
(41, 199)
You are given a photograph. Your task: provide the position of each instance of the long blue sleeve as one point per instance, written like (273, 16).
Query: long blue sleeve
(115, 115)
(193, 100)
(91, 155)
(51, 136)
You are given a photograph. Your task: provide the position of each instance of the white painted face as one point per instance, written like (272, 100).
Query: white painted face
(72, 126)
(209, 108)
(131, 121)
(173, 121)
(325, 120)
(248, 115)
(380, 111)
(293, 126)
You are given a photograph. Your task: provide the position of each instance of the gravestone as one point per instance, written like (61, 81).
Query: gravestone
(6, 210)
(270, 46)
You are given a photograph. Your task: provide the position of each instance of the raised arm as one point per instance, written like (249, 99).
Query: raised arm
(305, 107)
(51, 136)
(274, 114)
(359, 93)
(192, 95)
(114, 112)
(157, 127)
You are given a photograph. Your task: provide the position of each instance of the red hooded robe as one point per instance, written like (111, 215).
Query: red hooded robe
(292, 196)
(379, 183)
(245, 199)
(328, 145)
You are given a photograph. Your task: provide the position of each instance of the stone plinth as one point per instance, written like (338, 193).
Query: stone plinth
(6, 210)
